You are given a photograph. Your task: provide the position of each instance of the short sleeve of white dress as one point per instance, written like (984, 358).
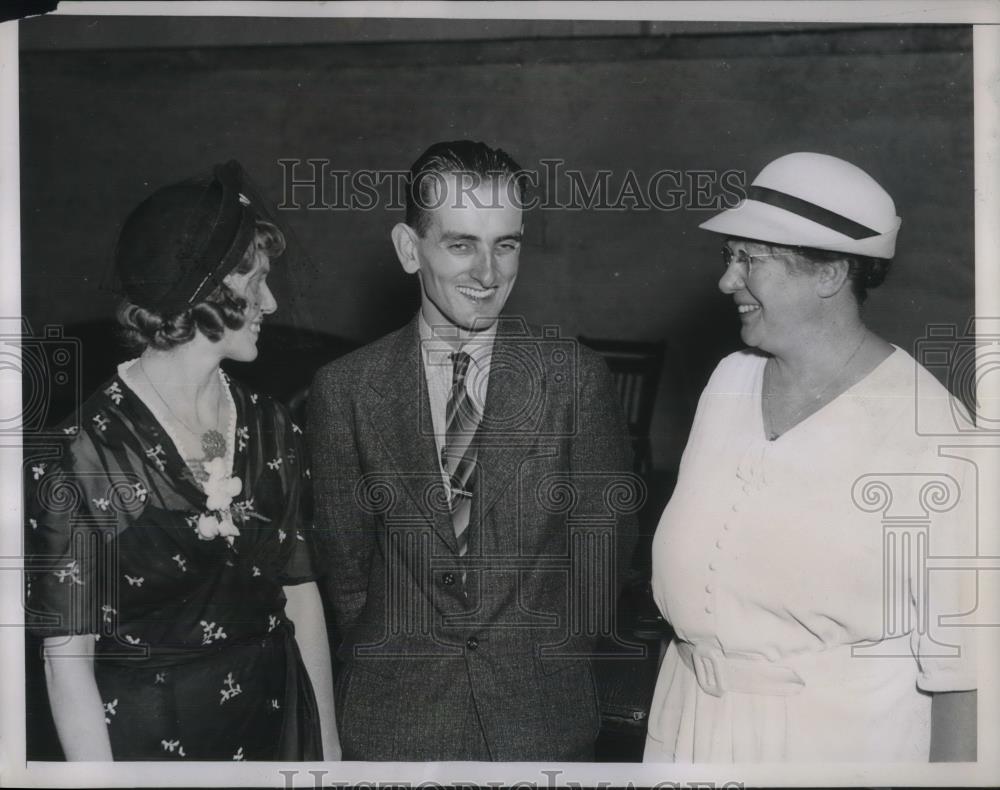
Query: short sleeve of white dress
(944, 599)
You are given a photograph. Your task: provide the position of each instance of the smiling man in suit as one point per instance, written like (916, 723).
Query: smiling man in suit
(472, 497)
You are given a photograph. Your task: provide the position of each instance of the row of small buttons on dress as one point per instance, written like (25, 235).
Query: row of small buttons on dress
(713, 564)
(448, 579)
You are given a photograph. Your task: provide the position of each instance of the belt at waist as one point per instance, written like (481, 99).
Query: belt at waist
(718, 673)
(152, 656)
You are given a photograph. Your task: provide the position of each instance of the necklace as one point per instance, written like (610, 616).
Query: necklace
(802, 410)
(213, 443)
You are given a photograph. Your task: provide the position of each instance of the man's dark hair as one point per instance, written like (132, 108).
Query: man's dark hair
(473, 160)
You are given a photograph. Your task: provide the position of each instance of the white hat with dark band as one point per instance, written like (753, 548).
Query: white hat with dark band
(814, 200)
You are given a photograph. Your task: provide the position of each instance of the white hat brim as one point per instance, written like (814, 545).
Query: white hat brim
(752, 219)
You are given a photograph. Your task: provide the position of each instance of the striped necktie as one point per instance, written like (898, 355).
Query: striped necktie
(458, 454)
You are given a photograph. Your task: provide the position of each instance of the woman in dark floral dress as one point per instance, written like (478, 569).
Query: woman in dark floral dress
(178, 599)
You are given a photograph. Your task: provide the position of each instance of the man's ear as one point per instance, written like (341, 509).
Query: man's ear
(831, 278)
(404, 239)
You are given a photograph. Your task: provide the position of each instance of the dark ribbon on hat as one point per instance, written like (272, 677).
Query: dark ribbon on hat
(810, 211)
(231, 235)
(179, 244)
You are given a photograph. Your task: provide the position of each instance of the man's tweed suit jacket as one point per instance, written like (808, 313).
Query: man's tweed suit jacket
(433, 642)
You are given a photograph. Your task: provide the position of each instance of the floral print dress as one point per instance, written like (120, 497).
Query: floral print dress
(195, 658)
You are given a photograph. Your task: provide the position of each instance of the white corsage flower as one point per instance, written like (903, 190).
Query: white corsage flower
(211, 526)
(220, 488)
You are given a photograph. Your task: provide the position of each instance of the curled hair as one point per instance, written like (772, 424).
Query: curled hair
(220, 310)
(863, 271)
(460, 157)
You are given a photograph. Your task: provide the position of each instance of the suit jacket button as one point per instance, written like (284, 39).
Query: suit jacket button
(472, 643)
(448, 578)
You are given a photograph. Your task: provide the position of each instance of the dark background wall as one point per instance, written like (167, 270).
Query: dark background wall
(113, 108)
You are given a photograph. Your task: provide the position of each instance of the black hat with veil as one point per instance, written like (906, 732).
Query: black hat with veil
(177, 246)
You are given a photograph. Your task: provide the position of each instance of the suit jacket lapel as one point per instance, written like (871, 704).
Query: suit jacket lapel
(515, 401)
(400, 417)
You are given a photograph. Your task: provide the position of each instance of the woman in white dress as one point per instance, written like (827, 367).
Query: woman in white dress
(776, 558)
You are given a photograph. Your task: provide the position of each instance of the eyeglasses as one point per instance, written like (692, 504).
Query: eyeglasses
(742, 257)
